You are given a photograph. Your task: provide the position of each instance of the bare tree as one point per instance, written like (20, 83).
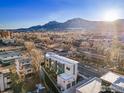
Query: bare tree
(36, 55)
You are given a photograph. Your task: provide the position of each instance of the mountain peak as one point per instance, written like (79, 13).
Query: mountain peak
(74, 24)
(76, 20)
(52, 22)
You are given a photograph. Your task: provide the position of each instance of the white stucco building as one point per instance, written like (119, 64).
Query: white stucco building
(65, 68)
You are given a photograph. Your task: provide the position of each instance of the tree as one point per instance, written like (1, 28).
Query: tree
(37, 58)
(17, 83)
(29, 46)
(36, 55)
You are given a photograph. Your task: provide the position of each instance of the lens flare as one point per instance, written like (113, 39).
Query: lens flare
(111, 15)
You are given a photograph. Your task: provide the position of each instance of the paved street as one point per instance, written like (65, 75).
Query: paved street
(89, 71)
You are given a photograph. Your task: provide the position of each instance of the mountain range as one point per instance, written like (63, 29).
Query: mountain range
(77, 24)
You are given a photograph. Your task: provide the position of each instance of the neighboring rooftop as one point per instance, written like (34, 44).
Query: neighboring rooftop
(8, 48)
(118, 85)
(24, 61)
(110, 77)
(91, 86)
(4, 70)
(116, 80)
(9, 54)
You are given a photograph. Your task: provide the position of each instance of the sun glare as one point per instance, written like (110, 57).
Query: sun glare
(111, 15)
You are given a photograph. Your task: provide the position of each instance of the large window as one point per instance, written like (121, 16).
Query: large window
(29, 70)
(68, 85)
(47, 60)
(60, 68)
(73, 83)
(68, 68)
(0, 62)
(74, 69)
(50, 60)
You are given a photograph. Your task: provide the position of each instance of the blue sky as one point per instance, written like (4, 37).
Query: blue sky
(26, 13)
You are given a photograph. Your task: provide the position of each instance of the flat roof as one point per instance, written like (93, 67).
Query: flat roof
(24, 60)
(10, 47)
(8, 54)
(66, 76)
(118, 85)
(110, 77)
(4, 70)
(91, 86)
(116, 80)
(60, 59)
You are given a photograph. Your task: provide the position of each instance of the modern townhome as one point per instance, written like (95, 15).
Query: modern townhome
(62, 71)
(24, 67)
(8, 57)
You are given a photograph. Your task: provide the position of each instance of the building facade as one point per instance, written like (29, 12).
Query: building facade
(5, 81)
(8, 57)
(63, 71)
(24, 67)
